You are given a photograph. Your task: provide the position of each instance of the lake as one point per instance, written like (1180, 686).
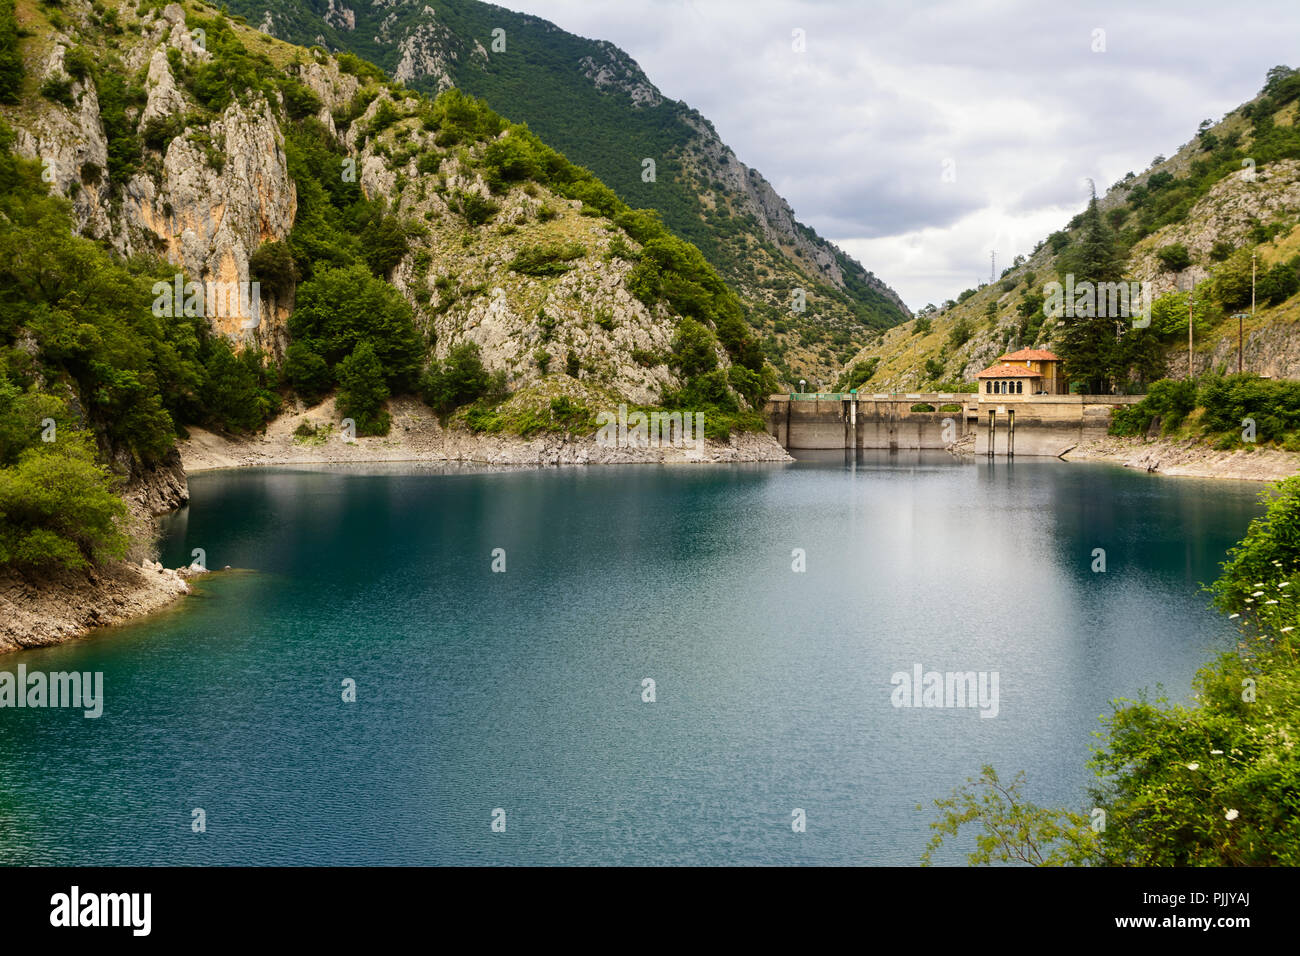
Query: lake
(524, 690)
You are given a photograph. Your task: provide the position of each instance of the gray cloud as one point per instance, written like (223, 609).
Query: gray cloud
(853, 131)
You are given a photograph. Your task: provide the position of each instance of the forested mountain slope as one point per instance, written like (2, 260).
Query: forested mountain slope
(1190, 221)
(591, 101)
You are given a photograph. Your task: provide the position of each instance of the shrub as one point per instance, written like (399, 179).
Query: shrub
(1174, 257)
(78, 63)
(58, 509)
(461, 379)
(272, 266)
(1278, 284)
(547, 260)
(692, 350)
(58, 89)
(475, 208)
(959, 334)
(1167, 400)
(11, 60)
(858, 375)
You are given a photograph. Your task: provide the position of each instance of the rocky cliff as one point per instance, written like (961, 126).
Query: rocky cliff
(205, 188)
(592, 101)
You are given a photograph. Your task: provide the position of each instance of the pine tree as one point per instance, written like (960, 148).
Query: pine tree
(1088, 343)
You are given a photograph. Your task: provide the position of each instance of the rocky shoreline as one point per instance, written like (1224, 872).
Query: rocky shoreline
(416, 436)
(37, 613)
(1189, 459)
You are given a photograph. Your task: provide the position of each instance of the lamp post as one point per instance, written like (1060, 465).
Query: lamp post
(802, 382)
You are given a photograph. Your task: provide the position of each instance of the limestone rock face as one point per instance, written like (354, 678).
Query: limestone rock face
(423, 52)
(164, 99)
(206, 191)
(1229, 211)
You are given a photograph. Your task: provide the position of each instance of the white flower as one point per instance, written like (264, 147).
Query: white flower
(1230, 815)
(1270, 602)
(1231, 616)
(1193, 766)
(1285, 629)
(1216, 751)
(1259, 584)
(1256, 593)
(1285, 584)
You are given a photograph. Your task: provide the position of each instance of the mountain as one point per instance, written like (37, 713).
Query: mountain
(1193, 219)
(201, 225)
(591, 101)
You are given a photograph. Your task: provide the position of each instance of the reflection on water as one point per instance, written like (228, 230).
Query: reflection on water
(523, 690)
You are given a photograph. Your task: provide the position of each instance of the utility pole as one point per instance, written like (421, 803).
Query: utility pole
(1239, 316)
(1252, 310)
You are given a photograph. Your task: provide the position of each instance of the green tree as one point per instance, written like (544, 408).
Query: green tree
(340, 308)
(1008, 828)
(307, 372)
(1087, 342)
(1174, 257)
(11, 60)
(363, 391)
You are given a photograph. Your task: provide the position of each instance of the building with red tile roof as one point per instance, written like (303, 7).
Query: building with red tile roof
(1024, 372)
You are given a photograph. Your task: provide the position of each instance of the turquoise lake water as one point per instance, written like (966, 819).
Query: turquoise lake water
(523, 690)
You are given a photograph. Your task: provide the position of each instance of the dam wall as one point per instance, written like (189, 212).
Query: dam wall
(1030, 425)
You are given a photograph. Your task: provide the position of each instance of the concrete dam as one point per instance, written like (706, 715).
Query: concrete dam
(1010, 425)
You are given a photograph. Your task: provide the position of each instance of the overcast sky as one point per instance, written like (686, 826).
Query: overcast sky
(1010, 97)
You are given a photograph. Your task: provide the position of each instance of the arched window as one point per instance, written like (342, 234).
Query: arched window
(1020, 387)
(988, 387)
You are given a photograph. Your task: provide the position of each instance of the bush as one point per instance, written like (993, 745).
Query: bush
(78, 63)
(58, 89)
(692, 350)
(58, 509)
(461, 379)
(547, 260)
(1174, 257)
(1168, 401)
(1278, 284)
(272, 266)
(11, 60)
(239, 390)
(299, 100)
(858, 375)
